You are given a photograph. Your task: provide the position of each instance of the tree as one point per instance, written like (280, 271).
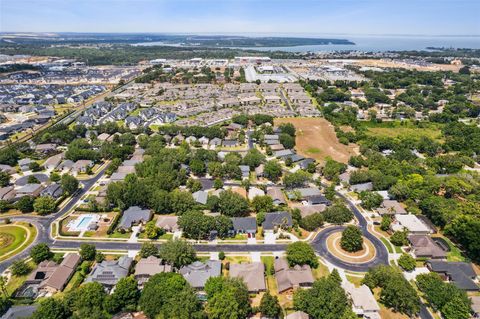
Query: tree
(229, 299)
(269, 306)
(399, 238)
(465, 230)
(152, 231)
(20, 268)
(177, 253)
(197, 167)
(40, 252)
(166, 294)
(312, 222)
(69, 184)
(181, 201)
(325, 300)
(272, 170)
(232, 204)
(385, 223)
(25, 204)
(4, 179)
(370, 200)
(4, 206)
(452, 302)
(287, 128)
(407, 262)
(456, 308)
(297, 179)
(55, 177)
(194, 185)
(396, 292)
(148, 249)
(253, 158)
(301, 253)
(88, 301)
(217, 183)
(196, 225)
(332, 169)
(51, 308)
(262, 204)
(287, 141)
(124, 297)
(352, 239)
(44, 205)
(88, 251)
(34, 167)
(338, 214)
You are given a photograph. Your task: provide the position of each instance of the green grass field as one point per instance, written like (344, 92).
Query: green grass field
(396, 129)
(12, 237)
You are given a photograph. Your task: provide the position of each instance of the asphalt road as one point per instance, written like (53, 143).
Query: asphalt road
(43, 223)
(320, 244)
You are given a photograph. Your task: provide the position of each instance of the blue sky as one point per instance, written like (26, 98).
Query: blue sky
(426, 17)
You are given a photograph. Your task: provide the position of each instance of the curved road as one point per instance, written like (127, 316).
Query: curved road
(320, 244)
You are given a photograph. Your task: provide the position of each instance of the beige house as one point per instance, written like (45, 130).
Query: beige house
(252, 274)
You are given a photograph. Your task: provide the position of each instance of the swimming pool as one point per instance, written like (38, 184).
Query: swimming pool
(82, 222)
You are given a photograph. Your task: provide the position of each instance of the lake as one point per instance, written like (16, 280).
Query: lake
(373, 43)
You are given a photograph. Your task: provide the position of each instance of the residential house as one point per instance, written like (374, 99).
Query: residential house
(45, 148)
(307, 210)
(410, 222)
(254, 192)
(391, 207)
(134, 215)
(363, 301)
(259, 170)
(168, 223)
(297, 315)
(245, 170)
(7, 193)
(109, 272)
(423, 246)
(475, 306)
(53, 190)
(29, 190)
(461, 274)
(19, 312)
(277, 220)
(61, 275)
(200, 197)
(7, 169)
(54, 161)
(252, 275)
(362, 187)
(24, 164)
(147, 267)
(81, 166)
(277, 195)
(198, 272)
(244, 225)
(289, 279)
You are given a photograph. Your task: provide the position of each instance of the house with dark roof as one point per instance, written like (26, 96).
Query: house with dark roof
(244, 225)
(134, 215)
(277, 220)
(20, 312)
(423, 246)
(53, 190)
(461, 274)
(109, 272)
(197, 273)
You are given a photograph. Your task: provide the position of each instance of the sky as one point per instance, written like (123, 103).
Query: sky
(301, 17)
